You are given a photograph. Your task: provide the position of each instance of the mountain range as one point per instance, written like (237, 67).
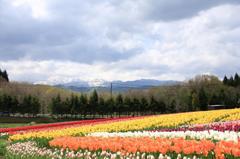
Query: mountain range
(117, 86)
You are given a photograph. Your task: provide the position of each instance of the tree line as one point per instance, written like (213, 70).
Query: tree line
(125, 104)
(193, 95)
(4, 75)
(119, 105)
(11, 104)
(232, 81)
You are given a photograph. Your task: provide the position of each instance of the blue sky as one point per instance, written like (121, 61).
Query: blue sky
(56, 41)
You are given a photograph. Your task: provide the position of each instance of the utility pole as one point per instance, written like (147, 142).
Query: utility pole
(111, 89)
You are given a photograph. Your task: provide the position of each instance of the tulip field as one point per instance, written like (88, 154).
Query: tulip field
(203, 134)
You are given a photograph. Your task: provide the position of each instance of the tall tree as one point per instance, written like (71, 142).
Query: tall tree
(66, 107)
(30, 104)
(172, 107)
(119, 104)
(225, 80)
(161, 106)
(93, 102)
(83, 104)
(5, 75)
(214, 99)
(189, 102)
(57, 105)
(102, 106)
(136, 105)
(144, 105)
(231, 81)
(203, 99)
(15, 105)
(222, 97)
(238, 100)
(1, 103)
(7, 102)
(74, 104)
(110, 103)
(195, 101)
(236, 80)
(153, 105)
(127, 104)
(35, 105)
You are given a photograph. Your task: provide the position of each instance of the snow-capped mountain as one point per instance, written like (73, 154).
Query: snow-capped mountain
(83, 86)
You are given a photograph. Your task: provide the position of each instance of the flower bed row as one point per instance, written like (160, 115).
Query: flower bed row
(218, 126)
(126, 147)
(60, 125)
(202, 135)
(201, 148)
(145, 123)
(31, 150)
(182, 135)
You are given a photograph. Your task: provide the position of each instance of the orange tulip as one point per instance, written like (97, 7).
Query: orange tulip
(148, 144)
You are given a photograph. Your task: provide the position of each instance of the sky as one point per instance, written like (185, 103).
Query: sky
(58, 41)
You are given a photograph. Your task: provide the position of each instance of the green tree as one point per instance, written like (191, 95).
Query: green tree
(5, 75)
(93, 103)
(30, 104)
(15, 105)
(35, 105)
(153, 105)
(110, 103)
(127, 104)
(136, 105)
(214, 99)
(189, 103)
(195, 101)
(144, 107)
(56, 105)
(119, 104)
(83, 104)
(236, 80)
(74, 104)
(225, 80)
(1, 103)
(222, 97)
(230, 101)
(238, 100)
(7, 103)
(161, 106)
(172, 107)
(102, 106)
(203, 99)
(231, 81)
(66, 107)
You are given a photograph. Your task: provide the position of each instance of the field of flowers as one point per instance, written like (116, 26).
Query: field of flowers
(206, 134)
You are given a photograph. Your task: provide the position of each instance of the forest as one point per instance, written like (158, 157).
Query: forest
(192, 95)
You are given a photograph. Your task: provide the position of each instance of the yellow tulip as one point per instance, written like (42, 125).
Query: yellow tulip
(158, 121)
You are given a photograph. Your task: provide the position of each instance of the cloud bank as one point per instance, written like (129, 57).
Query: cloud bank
(54, 41)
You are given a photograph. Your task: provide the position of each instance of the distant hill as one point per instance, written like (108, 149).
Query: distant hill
(118, 86)
(44, 93)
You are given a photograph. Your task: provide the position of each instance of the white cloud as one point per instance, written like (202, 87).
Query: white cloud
(38, 7)
(53, 72)
(189, 47)
(111, 40)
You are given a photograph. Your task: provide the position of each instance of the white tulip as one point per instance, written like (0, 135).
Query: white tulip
(211, 134)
